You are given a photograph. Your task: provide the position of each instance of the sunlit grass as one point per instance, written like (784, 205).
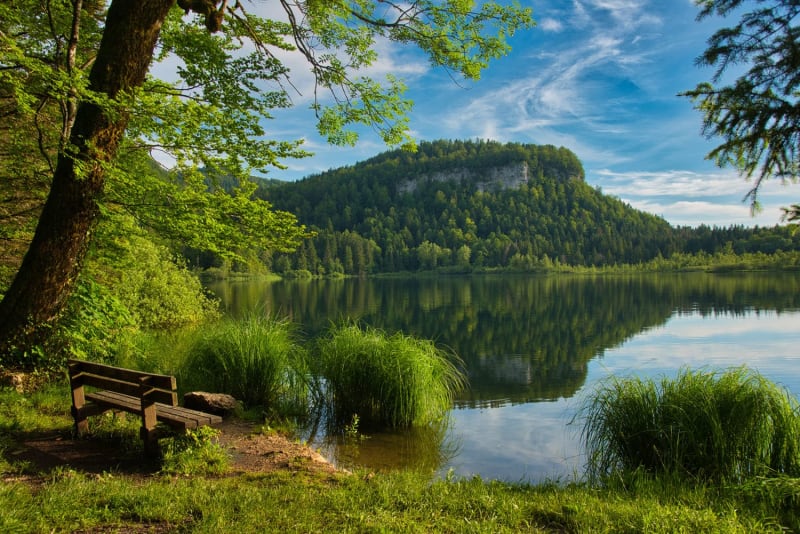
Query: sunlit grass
(387, 380)
(722, 426)
(197, 452)
(398, 502)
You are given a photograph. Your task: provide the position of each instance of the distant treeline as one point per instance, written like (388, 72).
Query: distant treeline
(472, 205)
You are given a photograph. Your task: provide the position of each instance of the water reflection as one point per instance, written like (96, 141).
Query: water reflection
(424, 449)
(527, 340)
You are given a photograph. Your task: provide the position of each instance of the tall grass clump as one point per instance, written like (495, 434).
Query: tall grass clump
(257, 359)
(719, 426)
(386, 380)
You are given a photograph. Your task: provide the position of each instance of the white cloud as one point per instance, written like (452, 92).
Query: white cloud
(668, 183)
(627, 13)
(550, 25)
(581, 16)
(692, 213)
(690, 198)
(563, 91)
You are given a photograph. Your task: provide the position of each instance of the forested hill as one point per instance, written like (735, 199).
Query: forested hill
(464, 205)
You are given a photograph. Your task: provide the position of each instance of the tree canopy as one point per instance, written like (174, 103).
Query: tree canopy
(83, 116)
(757, 115)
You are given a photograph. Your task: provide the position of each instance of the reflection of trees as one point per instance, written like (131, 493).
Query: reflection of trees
(522, 338)
(424, 449)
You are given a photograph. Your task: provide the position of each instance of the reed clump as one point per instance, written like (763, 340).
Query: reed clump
(258, 360)
(386, 380)
(720, 426)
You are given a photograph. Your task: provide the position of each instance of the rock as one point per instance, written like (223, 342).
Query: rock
(14, 380)
(215, 403)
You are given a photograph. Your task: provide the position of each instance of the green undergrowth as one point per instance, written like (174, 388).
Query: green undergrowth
(66, 500)
(399, 502)
(195, 453)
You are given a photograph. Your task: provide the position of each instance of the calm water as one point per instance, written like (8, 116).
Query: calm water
(533, 348)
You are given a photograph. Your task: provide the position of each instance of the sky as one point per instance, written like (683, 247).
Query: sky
(599, 77)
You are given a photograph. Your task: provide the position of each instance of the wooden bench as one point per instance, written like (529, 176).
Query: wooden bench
(151, 396)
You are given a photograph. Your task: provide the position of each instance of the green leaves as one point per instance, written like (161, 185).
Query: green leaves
(338, 39)
(757, 115)
(189, 209)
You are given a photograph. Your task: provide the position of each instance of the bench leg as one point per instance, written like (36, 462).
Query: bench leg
(81, 422)
(148, 430)
(150, 439)
(79, 409)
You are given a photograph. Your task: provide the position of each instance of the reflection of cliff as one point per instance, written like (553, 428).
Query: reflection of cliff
(521, 338)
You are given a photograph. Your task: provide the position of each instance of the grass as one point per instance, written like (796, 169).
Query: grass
(258, 360)
(400, 502)
(65, 500)
(386, 380)
(727, 427)
(195, 453)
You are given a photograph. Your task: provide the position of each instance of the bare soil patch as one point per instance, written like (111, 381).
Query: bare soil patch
(251, 452)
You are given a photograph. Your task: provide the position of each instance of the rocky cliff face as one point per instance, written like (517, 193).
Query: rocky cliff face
(506, 177)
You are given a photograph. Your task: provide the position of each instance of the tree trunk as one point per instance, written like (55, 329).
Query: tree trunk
(50, 268)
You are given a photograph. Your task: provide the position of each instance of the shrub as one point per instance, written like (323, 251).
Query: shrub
(197, 452)
(727, 426)
(395, 381)
(255, 359)
(157, 288)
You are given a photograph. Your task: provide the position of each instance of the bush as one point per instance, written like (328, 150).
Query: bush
(728, 426)
(395, 381)
(157, 288)
(255, 359)
(197, 452)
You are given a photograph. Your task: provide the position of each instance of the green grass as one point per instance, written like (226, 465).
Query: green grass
(386, 380)
(722, 426)
(258, 360)
(195, 453)
(65, 500)
(398, 502)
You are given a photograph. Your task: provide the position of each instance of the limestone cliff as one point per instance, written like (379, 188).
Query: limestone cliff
(504, 177)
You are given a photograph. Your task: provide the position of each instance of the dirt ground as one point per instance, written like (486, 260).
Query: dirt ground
(250, 452)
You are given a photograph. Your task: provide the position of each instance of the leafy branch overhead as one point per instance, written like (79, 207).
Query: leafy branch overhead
(757, 115)
(338, 41)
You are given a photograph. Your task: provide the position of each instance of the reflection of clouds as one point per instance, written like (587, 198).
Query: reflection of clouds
(766, 342)
(516, 443)
(753, 324)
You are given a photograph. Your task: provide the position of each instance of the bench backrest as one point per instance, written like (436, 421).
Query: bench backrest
(147, 386)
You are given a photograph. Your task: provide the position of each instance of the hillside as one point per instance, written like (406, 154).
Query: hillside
(463, 205)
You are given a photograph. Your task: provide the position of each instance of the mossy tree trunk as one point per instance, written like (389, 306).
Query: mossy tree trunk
(50, 268)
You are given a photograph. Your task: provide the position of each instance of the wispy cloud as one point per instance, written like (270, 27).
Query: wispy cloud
(550, 25)
(686, 197)
(669, 183)
(567, 83)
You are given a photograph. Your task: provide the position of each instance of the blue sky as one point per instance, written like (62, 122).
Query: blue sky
(599, 77)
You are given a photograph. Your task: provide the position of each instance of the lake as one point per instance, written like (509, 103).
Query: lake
(534, 346)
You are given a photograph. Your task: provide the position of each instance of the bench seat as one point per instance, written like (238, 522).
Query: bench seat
(176, 417)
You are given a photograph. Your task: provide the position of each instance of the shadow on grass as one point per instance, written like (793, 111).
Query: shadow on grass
(39, 452)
